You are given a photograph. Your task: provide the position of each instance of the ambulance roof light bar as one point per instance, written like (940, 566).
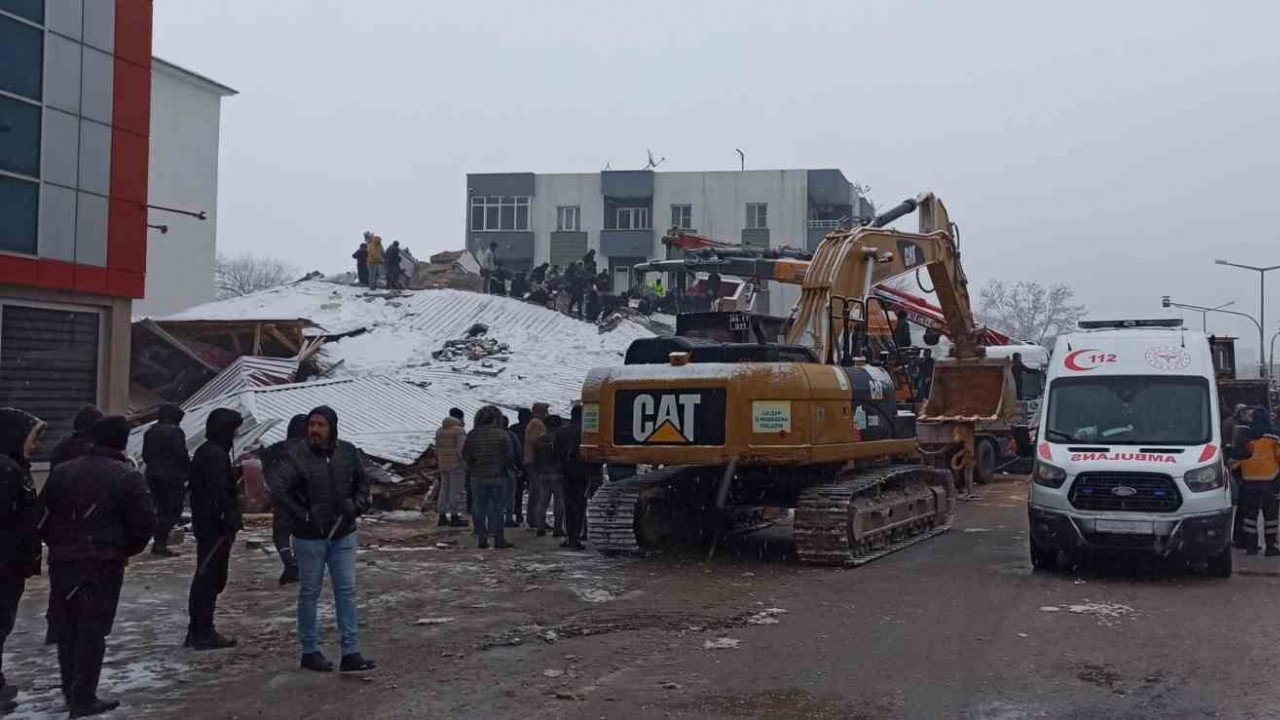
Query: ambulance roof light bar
(1151, 323)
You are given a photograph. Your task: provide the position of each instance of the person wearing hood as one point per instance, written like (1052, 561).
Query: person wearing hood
(489, 455)
(513, 473)
(20, 434)
(450, 498)
(81, 439)
(215, 519)
(164, 451)
(281, 527)
(534, 428)
(323, 486)
(1260, 475)
(393, 259)
(361, 256)
(375, 260)
(98, 514)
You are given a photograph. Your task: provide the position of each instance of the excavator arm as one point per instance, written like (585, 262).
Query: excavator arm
(838, 285)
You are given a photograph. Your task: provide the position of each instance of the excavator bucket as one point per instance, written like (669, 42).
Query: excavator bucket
(972, 390)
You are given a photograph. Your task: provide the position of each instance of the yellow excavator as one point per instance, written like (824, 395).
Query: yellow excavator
(811, 423)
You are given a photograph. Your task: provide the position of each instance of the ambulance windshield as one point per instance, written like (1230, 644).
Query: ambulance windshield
(1130, 410)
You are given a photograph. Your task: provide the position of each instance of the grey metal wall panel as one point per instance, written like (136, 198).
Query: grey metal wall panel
(829, 187)
(100, 24)
(57, 239)
(626, 243)
(64, 16)
(98, 73)
(91, 229)
(627, 184)
(95, 157)
(566, 247)
(60, 148)
(62, 74)
(755, 237)
(518, 184)
(512, 244)
(815, 237)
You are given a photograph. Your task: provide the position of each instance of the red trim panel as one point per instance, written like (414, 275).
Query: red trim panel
(126, 284)
(18, 270)
(91, 279)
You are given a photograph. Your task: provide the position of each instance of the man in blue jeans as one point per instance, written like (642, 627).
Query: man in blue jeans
(322, 485)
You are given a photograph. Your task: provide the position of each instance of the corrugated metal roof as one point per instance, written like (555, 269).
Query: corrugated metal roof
(248, 371)
(388, 418)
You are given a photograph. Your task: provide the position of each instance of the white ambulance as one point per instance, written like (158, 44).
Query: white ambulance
(1129, 456)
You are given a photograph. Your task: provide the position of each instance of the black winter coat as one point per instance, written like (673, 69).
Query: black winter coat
(215, 500)
(98, 509)
(19, 511)
(164, 448)
(322, 489)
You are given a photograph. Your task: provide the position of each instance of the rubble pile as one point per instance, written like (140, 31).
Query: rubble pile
(473, 349)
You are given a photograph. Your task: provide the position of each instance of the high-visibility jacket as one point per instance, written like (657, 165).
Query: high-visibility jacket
(1263, 463)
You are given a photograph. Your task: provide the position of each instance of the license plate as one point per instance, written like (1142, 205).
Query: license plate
(1131, 527)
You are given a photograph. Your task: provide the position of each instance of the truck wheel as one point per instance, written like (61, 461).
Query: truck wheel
(1220, 564)
(1041, 559)
(984, 471)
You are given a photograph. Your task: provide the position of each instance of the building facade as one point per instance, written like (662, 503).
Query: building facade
(623, 215)
(75, 125)
(186, 114)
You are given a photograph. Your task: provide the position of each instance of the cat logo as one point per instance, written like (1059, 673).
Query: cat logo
(665, 419)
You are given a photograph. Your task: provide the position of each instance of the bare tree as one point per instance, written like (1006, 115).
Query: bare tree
(1029, 311)
(244, 274)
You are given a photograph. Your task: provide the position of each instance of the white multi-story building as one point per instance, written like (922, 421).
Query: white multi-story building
(623, 215)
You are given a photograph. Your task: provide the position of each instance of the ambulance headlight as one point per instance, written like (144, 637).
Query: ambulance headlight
(1203, 479)
(1050, 476)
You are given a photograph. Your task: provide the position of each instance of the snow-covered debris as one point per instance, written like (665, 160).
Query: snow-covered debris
(766, 617)
(549, 353)
(722, 644)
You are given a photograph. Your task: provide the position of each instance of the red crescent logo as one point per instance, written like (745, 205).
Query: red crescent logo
(1070, 361)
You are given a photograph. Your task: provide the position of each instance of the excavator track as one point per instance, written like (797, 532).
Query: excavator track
(613, 512)
(866, 515)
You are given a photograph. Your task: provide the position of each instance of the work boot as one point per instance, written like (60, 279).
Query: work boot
(1252, 549)
(316, 662)
(213, 641)
(1272, 550)
(355, 662)
(572, 545)
(444, 521)
(289, 575)
(502, 544)
(483, 543)
(8, 706)
(164, 551)
(96, 706)
(458, 521)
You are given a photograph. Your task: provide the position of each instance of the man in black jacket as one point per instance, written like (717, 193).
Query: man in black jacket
(281, 527)
(164, 450)
(20, 434)
(577, 476)
(81, 440)
(99, 514)
(323, 487)
(393, 258)
(215, 519)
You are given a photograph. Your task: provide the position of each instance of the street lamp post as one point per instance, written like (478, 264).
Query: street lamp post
(1168, 302)
(1265, 370)
(1204, 314)
(1273, 350)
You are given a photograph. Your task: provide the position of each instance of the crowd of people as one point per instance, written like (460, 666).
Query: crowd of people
(97, 510)
(506, 475)
(1253, 449)
(375, 263)
(581, 289)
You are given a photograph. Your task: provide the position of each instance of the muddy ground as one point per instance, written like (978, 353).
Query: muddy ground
(957, 626)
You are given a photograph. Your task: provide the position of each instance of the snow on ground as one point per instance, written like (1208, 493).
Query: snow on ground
(550, 352)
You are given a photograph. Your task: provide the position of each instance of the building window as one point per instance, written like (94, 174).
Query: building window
(49, 360)
(20, 127)
(32, 10)
(633, 218)
(21, 58)
(567, 218)
(499, 212)
(757, 216)
(19, 208)
(682, 217)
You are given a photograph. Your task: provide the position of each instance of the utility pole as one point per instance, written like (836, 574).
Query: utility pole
(1264, 370)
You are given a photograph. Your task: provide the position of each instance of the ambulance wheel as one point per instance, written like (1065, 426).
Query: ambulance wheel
(984, 471)
(1220, 564)
(1041, 558)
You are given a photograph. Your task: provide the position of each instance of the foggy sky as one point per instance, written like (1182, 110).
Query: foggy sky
(1116, 147)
